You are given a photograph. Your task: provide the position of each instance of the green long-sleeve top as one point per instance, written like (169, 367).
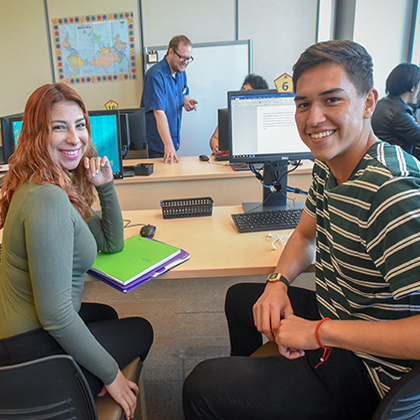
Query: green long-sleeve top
(47, 249)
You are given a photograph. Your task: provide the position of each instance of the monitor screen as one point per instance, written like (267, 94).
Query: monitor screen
(263, 127)
(7, 134)
(105, 126)
(16, 127)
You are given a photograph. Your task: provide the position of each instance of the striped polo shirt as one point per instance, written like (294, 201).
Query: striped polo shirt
(368, 246)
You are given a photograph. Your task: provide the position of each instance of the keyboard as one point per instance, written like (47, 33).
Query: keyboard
(221, 157)
(267, 220)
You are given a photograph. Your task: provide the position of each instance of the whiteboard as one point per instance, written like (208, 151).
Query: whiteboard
(217, 68)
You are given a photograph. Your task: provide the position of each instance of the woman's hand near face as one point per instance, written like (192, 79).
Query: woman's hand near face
(99, 169)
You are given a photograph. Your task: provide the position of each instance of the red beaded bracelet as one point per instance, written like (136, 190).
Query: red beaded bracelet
(327, 350)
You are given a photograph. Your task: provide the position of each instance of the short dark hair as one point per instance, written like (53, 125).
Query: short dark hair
(256, 82)
(176, 40)
(352, 56)
(402, 79)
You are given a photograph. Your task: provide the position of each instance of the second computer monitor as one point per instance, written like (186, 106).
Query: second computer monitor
(134, 134)
(223, 124)
(262, 129)
(10, 126)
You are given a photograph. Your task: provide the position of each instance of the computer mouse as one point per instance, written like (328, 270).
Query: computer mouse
(148, 231)
(204, 158)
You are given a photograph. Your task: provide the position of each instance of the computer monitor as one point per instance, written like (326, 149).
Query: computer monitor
(106, 136)
(223, 124)
(8, 139)
(134, 133)
(262, 129)
(105, 126)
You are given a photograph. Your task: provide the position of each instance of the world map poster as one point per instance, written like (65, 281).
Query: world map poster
(95, 48)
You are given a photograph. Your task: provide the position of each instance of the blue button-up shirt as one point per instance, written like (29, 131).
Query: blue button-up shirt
(163, 92)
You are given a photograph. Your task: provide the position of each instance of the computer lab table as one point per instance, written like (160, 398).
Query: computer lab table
(216, 248)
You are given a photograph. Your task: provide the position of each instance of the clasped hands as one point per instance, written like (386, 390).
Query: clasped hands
(273, 316)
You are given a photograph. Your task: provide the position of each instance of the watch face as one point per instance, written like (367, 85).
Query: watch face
(273, 276)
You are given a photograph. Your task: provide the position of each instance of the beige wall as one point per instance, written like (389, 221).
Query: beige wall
(24, 63)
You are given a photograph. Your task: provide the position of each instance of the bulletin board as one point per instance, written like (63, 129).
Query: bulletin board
(117, 43)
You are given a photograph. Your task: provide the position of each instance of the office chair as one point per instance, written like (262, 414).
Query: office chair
(52, 388)
(402, 401)
(55, 388)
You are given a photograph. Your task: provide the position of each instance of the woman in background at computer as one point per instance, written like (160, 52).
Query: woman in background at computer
(251, 82)
(50, 239)
(394, 119)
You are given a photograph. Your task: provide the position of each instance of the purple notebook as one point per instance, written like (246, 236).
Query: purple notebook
(177, 260)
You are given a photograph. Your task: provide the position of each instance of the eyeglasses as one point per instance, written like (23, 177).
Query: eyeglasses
(183, 58)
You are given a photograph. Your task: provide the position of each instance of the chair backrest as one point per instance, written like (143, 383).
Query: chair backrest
(52, 388)
(403, 400)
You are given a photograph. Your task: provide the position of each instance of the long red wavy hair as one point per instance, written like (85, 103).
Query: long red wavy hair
(32, 159)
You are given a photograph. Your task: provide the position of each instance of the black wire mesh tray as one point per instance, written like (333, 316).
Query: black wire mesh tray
(187, 207)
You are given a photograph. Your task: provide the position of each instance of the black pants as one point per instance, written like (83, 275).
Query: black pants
(153, 154)
(125, 339)
(242, 388)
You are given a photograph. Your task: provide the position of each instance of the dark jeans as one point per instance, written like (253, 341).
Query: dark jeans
(125, 339)
(247, 388)
(153, 154)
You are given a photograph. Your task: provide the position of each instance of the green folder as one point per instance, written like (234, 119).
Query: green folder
(139, 257)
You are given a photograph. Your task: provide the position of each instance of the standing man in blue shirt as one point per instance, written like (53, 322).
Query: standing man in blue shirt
(165, 92)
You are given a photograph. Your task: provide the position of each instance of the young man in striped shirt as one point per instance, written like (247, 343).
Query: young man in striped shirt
(344, 346)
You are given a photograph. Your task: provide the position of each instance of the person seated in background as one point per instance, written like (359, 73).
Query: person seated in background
(251, 82)
(50, 239)
(394, 120)
(343, 346)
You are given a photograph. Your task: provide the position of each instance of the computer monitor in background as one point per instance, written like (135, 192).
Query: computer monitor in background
(106, 136)
(263, 130)
(134, 136)
(105, 126)
(223, 124)
(8, 139)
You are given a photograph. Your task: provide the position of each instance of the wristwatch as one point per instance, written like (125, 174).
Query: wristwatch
(273, 277)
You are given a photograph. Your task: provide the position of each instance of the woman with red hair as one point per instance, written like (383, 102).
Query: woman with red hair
(50, 239)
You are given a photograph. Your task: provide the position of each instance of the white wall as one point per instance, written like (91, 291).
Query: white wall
(199, 20)
(280, 31)
(382, 27)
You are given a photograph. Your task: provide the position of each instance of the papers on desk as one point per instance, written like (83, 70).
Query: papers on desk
(141, 260)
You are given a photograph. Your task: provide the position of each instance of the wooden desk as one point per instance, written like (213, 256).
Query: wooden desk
(193, 178)
(215, 246)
